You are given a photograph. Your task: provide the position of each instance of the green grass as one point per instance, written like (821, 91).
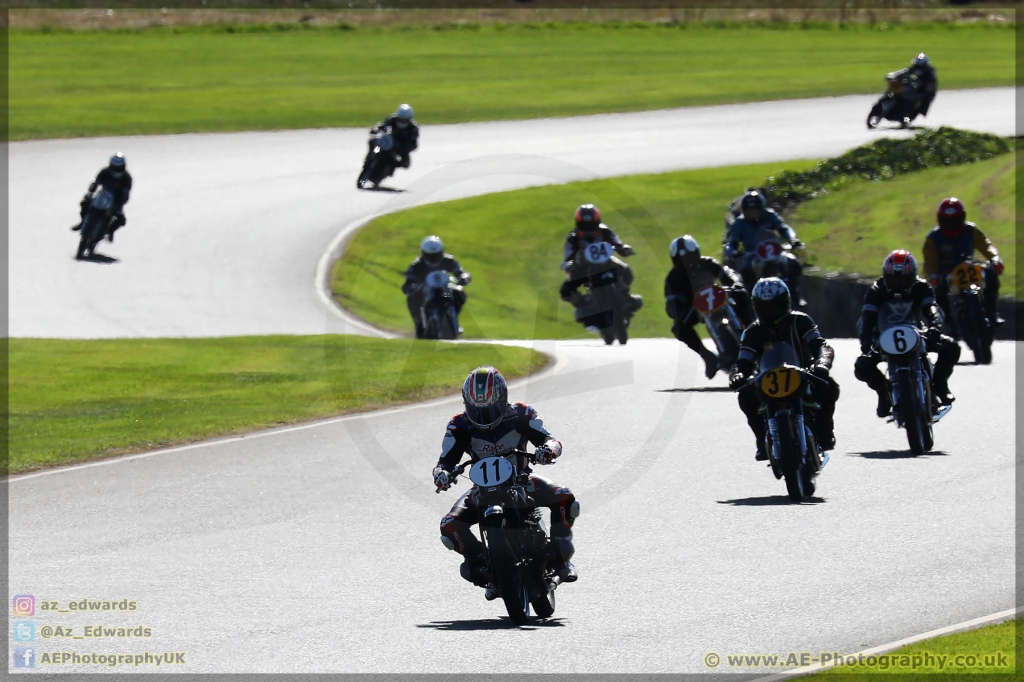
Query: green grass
(511, 242)
(72, 401)
(65, 84)
(994, 643)
(854, 229)
(516, 275)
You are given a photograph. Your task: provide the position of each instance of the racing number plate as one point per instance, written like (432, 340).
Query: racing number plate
(437, 279)
(966, 274)
(491, 471)
(898, 340)
(598, 253)
(709, 299)
(781, 382)
(769, 249)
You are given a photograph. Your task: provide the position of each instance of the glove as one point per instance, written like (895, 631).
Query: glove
(933, 336)
(865, 349)
(441, 479)
(626, 250)
(465, 279)
(737, 379)
(933, 280)
(998, 265)
(545, 455)
(797, 245)
(820, 371)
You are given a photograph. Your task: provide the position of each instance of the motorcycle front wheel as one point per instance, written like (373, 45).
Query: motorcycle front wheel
(507, 572)
(791, 462)
(918, 431)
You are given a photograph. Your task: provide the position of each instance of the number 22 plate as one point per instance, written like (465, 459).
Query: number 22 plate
(780, 382)
(491, 471)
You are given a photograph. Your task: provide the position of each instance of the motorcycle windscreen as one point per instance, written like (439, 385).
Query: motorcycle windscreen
(780, 353)
(896, 314)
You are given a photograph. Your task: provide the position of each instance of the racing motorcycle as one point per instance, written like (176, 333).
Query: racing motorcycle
(893, 106)
(967, 307)
(97, 222)
(437, 314)
(520, 558)
(793, 450)
(380, 160)
(770, 258)
(910, 374)
(717, 311)
(606, 305)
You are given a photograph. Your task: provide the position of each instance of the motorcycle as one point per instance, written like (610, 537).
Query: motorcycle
(793, 450)
(893, 106)
(606, 305)
(910, 374)
(717, 312)
(97, 222)
(380, 160)
(437, 314)
(969, 320)
(770, 258)
(514, 534)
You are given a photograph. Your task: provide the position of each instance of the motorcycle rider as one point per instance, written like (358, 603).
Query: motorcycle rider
(679, 291)
(899, 281)
(756, 216)
(432, 258)
(950, 243)
(589, 230)
(116, 179)
(488, 427)
(405, 135)
(919, 84)
(778, 322)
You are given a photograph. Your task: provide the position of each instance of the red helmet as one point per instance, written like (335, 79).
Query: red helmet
(899, 271)
(588, 219)
(951, 215)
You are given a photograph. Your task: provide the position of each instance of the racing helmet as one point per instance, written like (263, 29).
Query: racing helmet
(485, 395)
(588, 220)
(117, 165)
(432, 250)
(403, 116)
(951, 216)
(753, 201)
(684, 249)
(772, 301)
(899, 271)
(921, 61)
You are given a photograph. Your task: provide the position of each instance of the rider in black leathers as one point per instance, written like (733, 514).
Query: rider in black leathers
(899, 281)
(777, 322)
(432, 258)
(118, 181)
(919, 83)
(404, 131)
(590, 230)
(488, 427)
(686, 259)
(741, 235)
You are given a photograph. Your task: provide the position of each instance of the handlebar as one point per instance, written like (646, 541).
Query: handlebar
(756, 378)
(453, 475)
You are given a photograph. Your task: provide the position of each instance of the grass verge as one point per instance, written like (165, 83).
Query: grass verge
(72, 401)
(516, 273)
(222, 78)
(987, 653)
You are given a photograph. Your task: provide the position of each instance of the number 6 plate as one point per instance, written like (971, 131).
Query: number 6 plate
(491, 471)
(898, 340)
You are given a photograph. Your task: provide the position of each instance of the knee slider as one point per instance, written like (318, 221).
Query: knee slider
(573, 510)
(447, 542)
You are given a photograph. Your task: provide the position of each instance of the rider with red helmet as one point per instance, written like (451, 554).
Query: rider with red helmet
(490, 426)
(953, 241)
(589, 229)
(899, 281)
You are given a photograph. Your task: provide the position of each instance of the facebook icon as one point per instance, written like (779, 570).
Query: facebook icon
(24, 657)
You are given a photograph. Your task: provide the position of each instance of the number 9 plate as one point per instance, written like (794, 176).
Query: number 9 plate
(491, 471)
(780, 382)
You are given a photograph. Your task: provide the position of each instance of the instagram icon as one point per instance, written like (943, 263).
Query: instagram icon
(24, 605)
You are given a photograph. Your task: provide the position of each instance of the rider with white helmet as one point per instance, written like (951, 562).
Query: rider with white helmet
(431, 259)
(118, 181)
(404, 132)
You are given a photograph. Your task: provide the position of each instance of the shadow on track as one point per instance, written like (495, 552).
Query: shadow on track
(502, 623)
(98, 258)
(897, 454)
(697, 389)
(382, 188)
(769, 501)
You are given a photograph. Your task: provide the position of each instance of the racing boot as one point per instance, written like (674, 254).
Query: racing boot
(710, 362)
(76, 228)
(826, 431)
(474, 569)
(562, 550)
(884, 405)
(940, 389)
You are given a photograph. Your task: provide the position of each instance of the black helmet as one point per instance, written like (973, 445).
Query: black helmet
(772, 301)
(683, 249)
(117, 165)
(432, 250)
(485, 395)
(588, 220)
(753, 199)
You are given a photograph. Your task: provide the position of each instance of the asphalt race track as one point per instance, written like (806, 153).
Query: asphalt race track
(225, 232)
(315, 548)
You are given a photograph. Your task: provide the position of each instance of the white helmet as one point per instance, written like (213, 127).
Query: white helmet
(432, 249)
(681, 246)
(117, 165)
(920, 60)
(403, 115)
